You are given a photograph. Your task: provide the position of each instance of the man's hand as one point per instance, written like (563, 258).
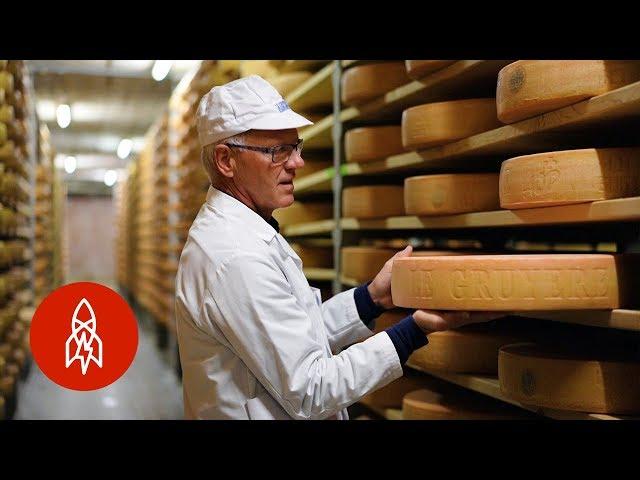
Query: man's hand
(435, 321)
(380, 287)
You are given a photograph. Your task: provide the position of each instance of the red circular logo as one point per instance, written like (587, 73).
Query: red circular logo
(83, 336)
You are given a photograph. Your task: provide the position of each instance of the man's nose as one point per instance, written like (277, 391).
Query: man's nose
(295, 161)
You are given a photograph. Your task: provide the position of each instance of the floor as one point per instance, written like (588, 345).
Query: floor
(149, 390)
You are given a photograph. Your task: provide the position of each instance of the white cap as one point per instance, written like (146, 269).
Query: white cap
(242, 105)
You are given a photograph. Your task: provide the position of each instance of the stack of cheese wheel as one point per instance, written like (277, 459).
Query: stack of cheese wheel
(313, 256)
(516, 282)
(447, 193)
(303, 213)
(417, 69)
(362, 264)
(434, 124)
(366, 82)
(368, 144)
(262, 68)
(391, 395)
(570, 176)
(527, 88)
(568, 377)
(285, 83)
(375, 201)
(448, 404)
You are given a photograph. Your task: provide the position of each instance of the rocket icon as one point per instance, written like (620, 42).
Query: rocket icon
(83, 344)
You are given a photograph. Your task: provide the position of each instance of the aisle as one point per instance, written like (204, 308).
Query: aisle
(148, 390)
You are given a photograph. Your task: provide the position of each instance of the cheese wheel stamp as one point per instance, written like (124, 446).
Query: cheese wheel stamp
(516, 282)
(313, 256)
(368, 144)
(416, 69)
(364, 263)
(286, 83)
(446, 194)
(462, 351)
(568, 378)
(434, 124)
(570, 176)
(306, 212)
(527, 88)
(367, 82)
(377, 201)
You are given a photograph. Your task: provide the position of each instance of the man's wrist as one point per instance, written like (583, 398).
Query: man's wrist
(375, 298)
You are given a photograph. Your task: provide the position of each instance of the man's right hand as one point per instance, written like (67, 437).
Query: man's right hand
(431, 321)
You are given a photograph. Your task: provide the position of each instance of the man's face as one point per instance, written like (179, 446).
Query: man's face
(268, 186)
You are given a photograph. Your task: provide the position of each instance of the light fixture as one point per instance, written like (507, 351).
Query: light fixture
(161, 69)
(124, 148)
(70, 164)
(110, 177)
(63, 115)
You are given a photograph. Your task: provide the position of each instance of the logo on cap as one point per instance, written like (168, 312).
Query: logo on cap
(282, 106)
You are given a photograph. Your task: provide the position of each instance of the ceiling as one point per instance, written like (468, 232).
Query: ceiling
(110, 100)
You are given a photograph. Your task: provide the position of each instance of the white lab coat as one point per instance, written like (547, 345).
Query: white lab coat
(255, 340)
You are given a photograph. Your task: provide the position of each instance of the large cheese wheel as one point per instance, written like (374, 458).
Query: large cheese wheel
(314, 257)
(3, 133)
(417, 69)
(303, 212)
(366, 82)
(451, 193)
(364, 263)
(368, 144)
(571, 176)
(439, 123)
(462, 351)
(391, 394)
(427, 404)
(286, 83)
(516, 282)
(390, 318)
(6, 81)
(531, 87)
(376, 201)
(6, 113)
(568, 378)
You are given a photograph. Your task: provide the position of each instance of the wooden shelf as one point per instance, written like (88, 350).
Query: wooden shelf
(318, 135)
(311, 228)
(315, 92)
(624, 209)
(285, 66)
(316, 182)
(350, 282)
(319, 273)
(490, 386)
(618, 319)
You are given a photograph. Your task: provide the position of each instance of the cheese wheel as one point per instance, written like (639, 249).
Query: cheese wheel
(257, 67)
(451, 193)
(440, 123)
(462, 351)
(391, 394)
(364, 263)
(367, 82)
(313, 167)
(427, 404)
(286, 83)
(7, 384)
(527, 88)
(6, 113)
(5, 350)
(571, 176)
(516, 282)
(368, 144)
(6, 81)
(314, 257)
(303, 212)
(390, 318)
(377, 201)
(568, 378)
(3, 133)
(417, 69)
(12, 370)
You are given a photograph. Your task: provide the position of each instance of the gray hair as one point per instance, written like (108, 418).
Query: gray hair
(207, 155)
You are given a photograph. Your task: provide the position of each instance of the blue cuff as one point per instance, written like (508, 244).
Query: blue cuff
(367, 310)
(406, 336)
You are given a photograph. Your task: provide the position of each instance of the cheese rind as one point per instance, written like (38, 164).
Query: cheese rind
(285, 83)
(391, 395)
(516, 282)
(570, 176)
(314, 257)
(440, 123)
(416, 69)
(568, 379)
(364, 263)
(451, 193)
(368, 144)
(376, 201)
(299, 212)
(527, 88)
(363, 83)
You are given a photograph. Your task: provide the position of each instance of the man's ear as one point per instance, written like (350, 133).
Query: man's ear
(224, 161)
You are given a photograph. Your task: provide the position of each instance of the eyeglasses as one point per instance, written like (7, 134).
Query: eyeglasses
(279, 153)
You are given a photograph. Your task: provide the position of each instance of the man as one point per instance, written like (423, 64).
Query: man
(255, 340)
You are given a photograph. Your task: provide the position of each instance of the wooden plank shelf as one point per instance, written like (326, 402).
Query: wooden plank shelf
(316, 182)
(349, 282)
(311, 228)
(619, 319)
(618, 210)
(285, 66)
(318, 135)
(327, 274)
(490, 386)
(315, 92)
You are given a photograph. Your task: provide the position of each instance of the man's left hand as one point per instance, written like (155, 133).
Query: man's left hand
(380, 287)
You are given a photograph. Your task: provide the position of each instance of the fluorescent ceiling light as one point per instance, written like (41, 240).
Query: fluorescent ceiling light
(161, 69)
(110, 177)
(63, 115)
(124, 148)
(70, 164)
